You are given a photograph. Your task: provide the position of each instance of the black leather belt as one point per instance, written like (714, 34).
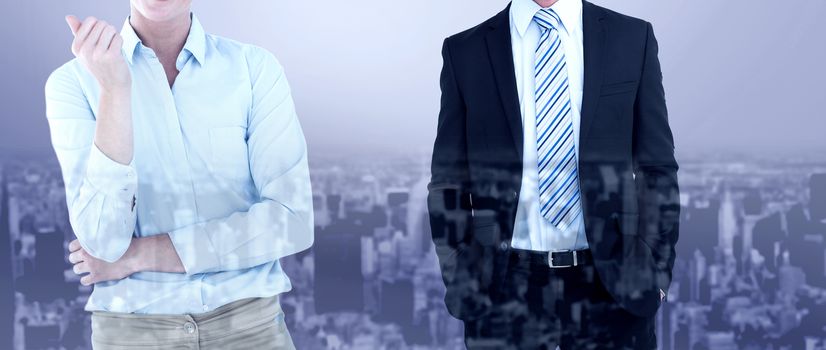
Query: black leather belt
(557, 260)
(570, 258)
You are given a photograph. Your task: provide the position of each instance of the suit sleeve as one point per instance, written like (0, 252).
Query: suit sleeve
(655, 165)
(449, 199)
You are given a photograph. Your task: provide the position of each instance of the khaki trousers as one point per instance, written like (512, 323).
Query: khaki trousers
(255, 323)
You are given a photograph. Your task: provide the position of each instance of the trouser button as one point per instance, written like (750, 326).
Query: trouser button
(189, 327)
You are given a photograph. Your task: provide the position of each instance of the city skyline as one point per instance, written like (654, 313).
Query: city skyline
(372, 278)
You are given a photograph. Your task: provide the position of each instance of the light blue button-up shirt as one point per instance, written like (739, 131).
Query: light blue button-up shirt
(220, 164)
(531, 230)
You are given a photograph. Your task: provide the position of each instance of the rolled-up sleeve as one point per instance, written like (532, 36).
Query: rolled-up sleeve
(100, 192)
(281, 222)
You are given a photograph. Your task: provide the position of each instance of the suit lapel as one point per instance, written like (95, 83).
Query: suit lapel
(593, 42)
(501, 57)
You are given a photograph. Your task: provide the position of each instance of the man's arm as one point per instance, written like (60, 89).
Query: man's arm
(449, 198)
(655, 166)
(94, 150)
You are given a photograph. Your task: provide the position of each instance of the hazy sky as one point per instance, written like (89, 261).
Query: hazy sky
(740, 76)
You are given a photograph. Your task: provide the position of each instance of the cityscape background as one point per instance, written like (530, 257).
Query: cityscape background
(750, 272)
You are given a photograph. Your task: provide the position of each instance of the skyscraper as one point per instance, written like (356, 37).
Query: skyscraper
(817, 197)
(699, 229)
(6, 282)
(767, 233)
(339, 285)
(728, 222)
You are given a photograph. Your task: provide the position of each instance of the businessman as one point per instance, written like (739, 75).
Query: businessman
(553, 200)
(186, 178)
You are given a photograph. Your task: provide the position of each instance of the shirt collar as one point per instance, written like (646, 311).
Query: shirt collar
(195, 41)
(130, 40)
(523, 11)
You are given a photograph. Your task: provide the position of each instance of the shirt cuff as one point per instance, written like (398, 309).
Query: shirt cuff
(110, 177)
(109, 250)
(195, 249)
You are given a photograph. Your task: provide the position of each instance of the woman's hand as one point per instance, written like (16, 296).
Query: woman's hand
(97, 45)
(153, 253)
(97, 270)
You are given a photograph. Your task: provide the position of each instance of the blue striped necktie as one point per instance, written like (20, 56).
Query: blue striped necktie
(559, 196)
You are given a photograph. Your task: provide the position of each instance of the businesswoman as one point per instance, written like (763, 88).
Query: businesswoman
(186, 178)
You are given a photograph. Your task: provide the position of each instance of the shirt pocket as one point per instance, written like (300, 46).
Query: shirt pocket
(228, 151)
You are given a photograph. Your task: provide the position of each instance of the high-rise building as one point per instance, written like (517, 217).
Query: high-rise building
(817, 197)
(418, 220)
(728, 222)
(396, 303)
(397, 201)
(334, 206)
(42, 337)
(45, 281)
(806, 245)
(753, 203)
(699, 229)
(767, 233)
(6, 282)
(339, 284)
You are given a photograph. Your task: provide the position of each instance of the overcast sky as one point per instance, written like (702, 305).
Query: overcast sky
(740, 77)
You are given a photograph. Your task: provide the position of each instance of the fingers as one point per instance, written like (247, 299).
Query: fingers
(80, 268)
(84, 268)
(82, 33)
(86, 27)
(87, 280)
(105, 39)
(77, 257)
(92, 39)
(74, 246)
(92, 36)
(117, 42)
(74, 24)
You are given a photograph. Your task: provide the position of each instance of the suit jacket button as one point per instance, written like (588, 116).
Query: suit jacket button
(503, 246)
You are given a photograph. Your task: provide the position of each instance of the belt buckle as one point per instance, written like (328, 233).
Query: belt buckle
(551, 259)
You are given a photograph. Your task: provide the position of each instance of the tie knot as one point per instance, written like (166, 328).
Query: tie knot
(547, 19)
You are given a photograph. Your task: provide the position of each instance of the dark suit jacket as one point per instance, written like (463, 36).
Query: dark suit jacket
(627, 169)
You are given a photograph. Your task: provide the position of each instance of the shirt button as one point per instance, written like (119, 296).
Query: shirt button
(503, 246)
(189, 327)
(206, 307)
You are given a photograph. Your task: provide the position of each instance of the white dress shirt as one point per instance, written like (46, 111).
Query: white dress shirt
(531, 230)
(220, 163)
